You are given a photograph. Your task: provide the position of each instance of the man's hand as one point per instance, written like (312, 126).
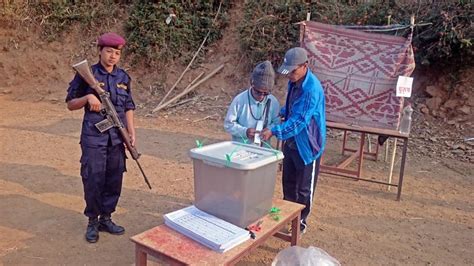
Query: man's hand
(266, 134)
(94, 103)
(251, 133)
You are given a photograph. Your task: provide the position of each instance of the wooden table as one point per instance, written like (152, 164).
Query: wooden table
(174, 248)
(340, 171)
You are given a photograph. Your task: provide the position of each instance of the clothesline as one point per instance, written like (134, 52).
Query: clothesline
(393, 27)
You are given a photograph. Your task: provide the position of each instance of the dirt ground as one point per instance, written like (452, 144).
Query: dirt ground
(41, 197)
(358, 223)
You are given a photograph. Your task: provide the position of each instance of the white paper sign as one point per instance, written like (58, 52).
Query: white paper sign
(404, 85)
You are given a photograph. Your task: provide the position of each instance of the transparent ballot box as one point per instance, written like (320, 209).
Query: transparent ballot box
(234, 181)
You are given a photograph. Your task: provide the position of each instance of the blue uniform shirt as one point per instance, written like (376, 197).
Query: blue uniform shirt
(117, 83)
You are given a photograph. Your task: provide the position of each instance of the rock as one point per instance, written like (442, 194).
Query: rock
(421, 105)
(5, 91)
(463, 119)
(459, 147)
(434, 92)
(470, 101)
(466, 110)
(423, 109)
(452, 104)
(434, 103)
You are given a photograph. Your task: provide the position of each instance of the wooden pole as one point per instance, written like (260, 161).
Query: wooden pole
(392, 162)
(369, 143)
(192, 60)
(189, 89)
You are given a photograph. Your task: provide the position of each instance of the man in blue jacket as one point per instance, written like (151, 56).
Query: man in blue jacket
(304, 131)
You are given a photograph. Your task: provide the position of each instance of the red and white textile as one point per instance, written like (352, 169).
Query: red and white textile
(359, 72)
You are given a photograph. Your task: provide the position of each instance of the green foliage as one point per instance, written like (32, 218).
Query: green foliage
(449, 39)
(269, 27)
(53, 18)
(151, 38)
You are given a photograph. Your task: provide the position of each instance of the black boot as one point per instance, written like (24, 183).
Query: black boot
(106, 224)
(92, 232)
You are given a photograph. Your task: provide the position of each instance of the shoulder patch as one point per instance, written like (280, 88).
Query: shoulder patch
(122, 86)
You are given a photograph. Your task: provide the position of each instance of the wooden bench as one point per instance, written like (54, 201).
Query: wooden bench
(359, 154)
(174, 248)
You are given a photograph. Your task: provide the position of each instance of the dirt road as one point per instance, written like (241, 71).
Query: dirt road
(41, 220)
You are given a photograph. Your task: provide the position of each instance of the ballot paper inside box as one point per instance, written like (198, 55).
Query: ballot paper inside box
(234, 181)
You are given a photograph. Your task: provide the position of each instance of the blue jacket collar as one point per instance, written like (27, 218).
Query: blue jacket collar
(306, 77)
(301, 82)
(105, 72)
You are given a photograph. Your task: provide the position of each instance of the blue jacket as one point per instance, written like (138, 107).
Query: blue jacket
(117, 83)
(305, 118)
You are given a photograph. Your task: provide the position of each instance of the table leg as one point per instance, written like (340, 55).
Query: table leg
(344, 140)
(392, 162)
(140, 256)
(295, 230)
(402, 168)
(369, 144)
(361, 155)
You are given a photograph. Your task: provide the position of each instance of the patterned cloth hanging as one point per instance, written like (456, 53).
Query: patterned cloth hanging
(359, 72)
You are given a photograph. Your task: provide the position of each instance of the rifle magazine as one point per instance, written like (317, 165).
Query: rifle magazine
(105, 125)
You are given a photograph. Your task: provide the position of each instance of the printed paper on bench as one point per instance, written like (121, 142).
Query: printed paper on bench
(206, 229)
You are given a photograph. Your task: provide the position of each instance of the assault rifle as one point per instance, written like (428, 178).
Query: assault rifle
(112, 119)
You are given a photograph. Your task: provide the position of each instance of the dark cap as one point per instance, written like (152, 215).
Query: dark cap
(293, 58)
(111, 39)
(263, 75)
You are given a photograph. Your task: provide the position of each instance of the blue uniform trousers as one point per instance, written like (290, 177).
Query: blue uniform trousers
(102, 173)
(299, 180)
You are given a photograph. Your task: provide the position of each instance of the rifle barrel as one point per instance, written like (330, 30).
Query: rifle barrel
(143, 173)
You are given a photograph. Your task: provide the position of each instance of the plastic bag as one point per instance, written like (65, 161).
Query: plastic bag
(304, 256)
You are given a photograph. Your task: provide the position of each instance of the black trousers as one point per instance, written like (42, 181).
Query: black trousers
(299, 180)
(102, 174)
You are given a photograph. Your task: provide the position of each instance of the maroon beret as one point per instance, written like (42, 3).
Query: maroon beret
(111, 39)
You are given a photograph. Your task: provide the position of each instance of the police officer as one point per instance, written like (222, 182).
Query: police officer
(103, 154)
